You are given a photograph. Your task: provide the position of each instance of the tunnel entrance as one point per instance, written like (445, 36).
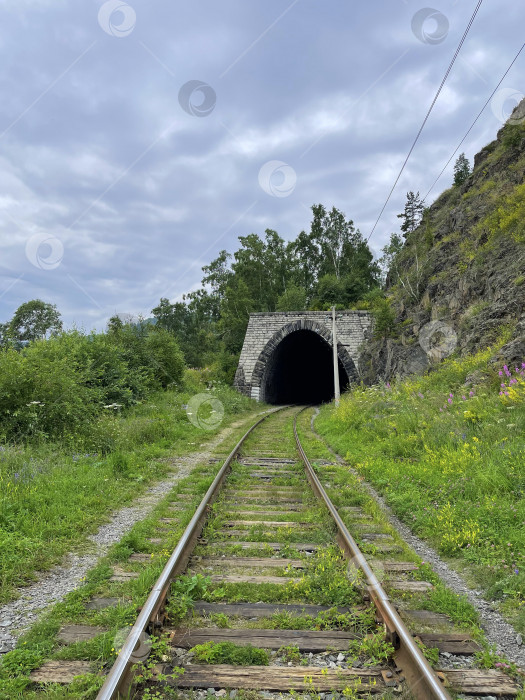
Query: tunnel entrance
(300, 371)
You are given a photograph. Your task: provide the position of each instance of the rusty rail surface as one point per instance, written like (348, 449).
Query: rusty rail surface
(422, 679)
(119, 679)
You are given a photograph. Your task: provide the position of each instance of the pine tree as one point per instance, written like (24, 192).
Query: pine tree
(461, 169)
(413, 213)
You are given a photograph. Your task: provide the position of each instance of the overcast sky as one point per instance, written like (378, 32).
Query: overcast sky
(138, 140)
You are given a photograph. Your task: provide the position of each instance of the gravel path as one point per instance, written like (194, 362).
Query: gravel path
(497, 630)
(53, 586)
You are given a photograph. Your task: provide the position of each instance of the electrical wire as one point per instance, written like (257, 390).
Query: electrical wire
(475, 120)
(456, 53)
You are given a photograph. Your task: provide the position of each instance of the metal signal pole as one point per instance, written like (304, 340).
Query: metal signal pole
(337, 393)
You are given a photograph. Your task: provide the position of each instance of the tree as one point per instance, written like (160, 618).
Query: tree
(461, 169)
(387, 262)
(293, 299)
(4, 335)
(334, 236)
(34, 319)
(412, 214)
(236, 308)
(303, 255)
(115, 325)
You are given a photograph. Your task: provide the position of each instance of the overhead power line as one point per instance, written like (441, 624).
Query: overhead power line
(476, 119)
(456, 53)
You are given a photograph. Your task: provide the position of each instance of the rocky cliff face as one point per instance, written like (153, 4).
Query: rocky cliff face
(462, 271)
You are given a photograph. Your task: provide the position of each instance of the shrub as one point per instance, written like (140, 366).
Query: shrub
(164, 357)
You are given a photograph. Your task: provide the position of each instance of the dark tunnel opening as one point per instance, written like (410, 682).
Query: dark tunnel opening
(300, 371)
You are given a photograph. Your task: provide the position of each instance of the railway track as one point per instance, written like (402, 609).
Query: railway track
(267, 590)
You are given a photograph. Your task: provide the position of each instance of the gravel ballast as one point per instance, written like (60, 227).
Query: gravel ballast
(53, 586)
(497, 630)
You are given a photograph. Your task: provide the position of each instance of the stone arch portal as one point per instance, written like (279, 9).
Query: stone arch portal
(296, 365)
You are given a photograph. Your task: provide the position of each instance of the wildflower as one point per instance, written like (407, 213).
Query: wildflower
(471, 394)
(451, 396)
(450, 401)
(463, 398)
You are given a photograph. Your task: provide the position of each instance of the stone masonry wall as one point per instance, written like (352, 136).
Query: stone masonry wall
(262, 327)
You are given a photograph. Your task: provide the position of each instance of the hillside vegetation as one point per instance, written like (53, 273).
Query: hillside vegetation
(463, 265)
(448, 454)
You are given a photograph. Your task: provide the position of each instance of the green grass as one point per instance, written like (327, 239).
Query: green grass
(52, 495)
(230, 653)
(40, 643)
(450, 460)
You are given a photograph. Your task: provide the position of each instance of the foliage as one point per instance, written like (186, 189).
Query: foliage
(461, 169)
(412, 213)
(329, 264)
(184, 591)
(449, 459)
(58, 386)
(292, 299)
(34, 319)
(53, 493)
(384, 317)
(326, 580)
(290, 653)
(507, 218)
(390, 253)
(373, 647)
(230, 653)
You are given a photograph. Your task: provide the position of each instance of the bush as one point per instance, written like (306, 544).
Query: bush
(57, 386)
(164, 357)
(43, 393)
(384, 318)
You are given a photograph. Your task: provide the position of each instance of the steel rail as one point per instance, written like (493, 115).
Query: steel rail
(423, 681)
(119, 679)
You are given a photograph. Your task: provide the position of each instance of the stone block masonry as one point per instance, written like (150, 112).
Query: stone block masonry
(266, 331)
